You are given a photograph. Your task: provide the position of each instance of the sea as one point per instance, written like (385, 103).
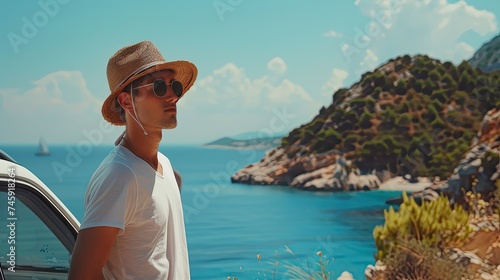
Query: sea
(238, 231)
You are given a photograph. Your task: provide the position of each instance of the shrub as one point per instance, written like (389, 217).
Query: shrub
(308, 136)
(406, 59)
(404, 119)
(437, 104)
(294, 135)
(449, 81)
(351, 139)
(429, 86)
(401, 87)
(415, 260)
(465, 82)
(284, 141)
(399, 66)
(433, 223)
(376, 92)
(440, 94)
(316, 125)
(360, 103)
(351, 116)
(376, 147)
(389, 116)
(339, 95)
(326, 140)
(420, 73)
(365, 120)
(448, 65)
(484, 94)
(431, 114)
(419, 85)
(458, 119)
(377, 78)
(463, 67)
(435, 75)
(403, 107)
(337, 114)
(460, 97)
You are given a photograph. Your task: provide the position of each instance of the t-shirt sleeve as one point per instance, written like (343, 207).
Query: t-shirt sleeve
(111, 197)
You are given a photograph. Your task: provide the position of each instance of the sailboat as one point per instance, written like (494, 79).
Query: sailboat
(43, 149)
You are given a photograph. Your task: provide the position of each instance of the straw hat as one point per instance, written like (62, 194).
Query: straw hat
(135, 61)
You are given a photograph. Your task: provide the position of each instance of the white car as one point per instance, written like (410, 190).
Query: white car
(38, 231)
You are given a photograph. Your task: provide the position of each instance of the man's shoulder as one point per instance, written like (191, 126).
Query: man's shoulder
(120, 158)
(116, 164)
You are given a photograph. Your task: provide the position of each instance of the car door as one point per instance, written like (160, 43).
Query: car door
(37, 232)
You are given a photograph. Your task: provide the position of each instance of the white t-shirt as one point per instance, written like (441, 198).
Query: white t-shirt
(127, 193)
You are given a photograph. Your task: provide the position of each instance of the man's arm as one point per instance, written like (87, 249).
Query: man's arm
(91, 252)
(178, 178)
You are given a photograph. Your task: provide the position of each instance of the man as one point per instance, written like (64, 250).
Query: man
(133, 226)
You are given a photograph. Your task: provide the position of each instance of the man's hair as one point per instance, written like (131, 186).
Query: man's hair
(132, 84)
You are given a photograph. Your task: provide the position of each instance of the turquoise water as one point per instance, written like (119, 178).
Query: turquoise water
(229, 224)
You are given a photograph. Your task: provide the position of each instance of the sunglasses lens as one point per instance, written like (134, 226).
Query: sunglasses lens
(160, 88)
(177, 87)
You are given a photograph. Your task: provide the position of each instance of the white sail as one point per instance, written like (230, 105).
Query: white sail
(43, 149)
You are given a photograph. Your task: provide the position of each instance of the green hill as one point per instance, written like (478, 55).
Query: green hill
(412, 115)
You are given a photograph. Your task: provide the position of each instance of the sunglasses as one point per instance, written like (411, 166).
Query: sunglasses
(160, 87)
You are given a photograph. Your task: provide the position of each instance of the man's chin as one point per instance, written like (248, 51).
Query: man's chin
(170, 125)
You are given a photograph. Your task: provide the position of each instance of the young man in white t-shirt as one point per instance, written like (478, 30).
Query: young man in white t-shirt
(133, 226)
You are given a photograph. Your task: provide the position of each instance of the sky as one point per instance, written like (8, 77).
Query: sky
(263, 66)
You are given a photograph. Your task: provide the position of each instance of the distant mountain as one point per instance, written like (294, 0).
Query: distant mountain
(487, 58)
(254, 135)
(412, 115)
(253, 143)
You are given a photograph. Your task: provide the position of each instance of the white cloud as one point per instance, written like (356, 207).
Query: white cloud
(277, 65)
(416, 26)
(335, 82)
(287, 93)
(369, 61)
(332, 34)
(464, 50)
(356, 2)
(228, 102)
(58, 107)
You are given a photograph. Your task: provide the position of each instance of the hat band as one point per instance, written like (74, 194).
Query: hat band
(137, 71)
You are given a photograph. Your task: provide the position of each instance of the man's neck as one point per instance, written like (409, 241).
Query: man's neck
(143, 146)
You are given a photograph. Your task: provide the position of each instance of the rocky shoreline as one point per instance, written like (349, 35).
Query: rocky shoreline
(314, 172)
(478, 170)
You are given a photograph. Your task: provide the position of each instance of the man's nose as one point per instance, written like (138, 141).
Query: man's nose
(170, 95)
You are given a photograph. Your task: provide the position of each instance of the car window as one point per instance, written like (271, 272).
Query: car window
(30, 241)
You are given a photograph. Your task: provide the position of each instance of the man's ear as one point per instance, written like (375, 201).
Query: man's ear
(125, 100)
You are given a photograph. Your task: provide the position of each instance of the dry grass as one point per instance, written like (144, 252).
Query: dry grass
(417, 261)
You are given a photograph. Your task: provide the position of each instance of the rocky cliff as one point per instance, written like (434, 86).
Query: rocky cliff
(413, 116)
(479, 170)
(487, 58)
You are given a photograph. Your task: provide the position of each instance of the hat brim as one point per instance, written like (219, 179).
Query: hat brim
(184, 72)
